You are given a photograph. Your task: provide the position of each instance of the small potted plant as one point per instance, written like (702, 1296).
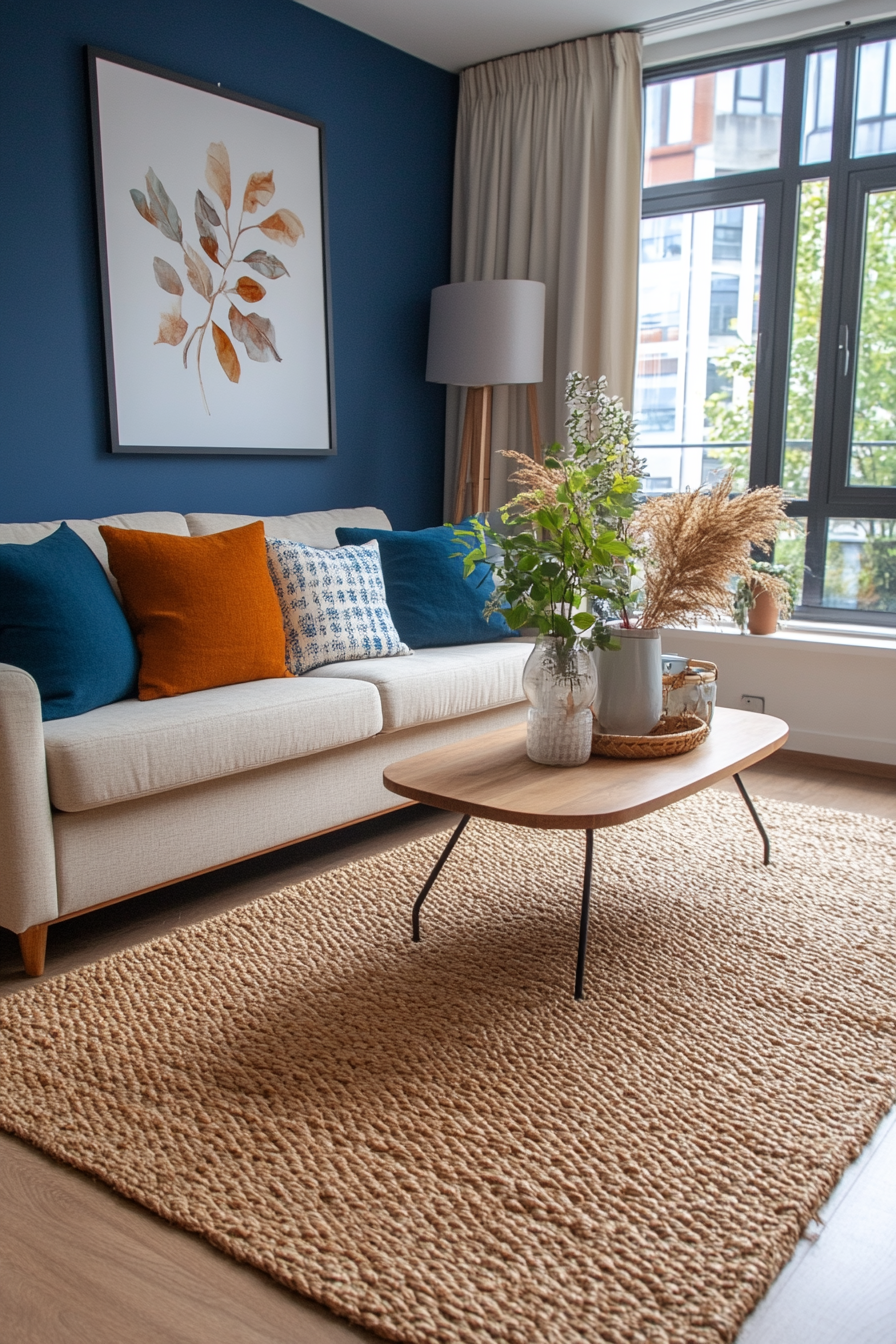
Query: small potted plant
(560, 563)
(768, 595)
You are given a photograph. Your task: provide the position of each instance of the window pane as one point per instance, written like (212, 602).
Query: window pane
(818, 107)
(715, 124)
(860, 564)
(875, 119)
(873, 441)
(804, 333)
(790, 549)
(698, 309)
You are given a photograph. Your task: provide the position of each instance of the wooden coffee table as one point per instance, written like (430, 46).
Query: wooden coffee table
(491, 776)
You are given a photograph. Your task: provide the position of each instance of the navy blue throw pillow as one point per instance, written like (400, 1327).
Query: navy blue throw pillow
(59, 620)
(430, 601)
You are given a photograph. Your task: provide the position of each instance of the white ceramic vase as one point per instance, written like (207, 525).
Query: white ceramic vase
(630, 682)
(559, 683)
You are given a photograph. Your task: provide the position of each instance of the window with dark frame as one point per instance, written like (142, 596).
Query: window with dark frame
(767, 303)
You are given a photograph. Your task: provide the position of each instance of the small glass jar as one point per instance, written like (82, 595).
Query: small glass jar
(559, 682)
(692, 690)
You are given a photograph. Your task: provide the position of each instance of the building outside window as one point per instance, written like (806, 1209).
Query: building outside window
(767, 299)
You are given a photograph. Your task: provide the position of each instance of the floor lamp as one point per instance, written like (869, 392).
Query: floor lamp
(483, 333)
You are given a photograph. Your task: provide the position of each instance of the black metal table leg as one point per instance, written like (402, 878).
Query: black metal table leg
(583, 921)
(767, 844)
(427, 886)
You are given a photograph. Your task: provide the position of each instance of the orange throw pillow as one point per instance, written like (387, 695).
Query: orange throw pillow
(203, 609)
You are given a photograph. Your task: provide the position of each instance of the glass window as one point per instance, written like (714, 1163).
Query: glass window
(699, 286)
(875, 119)
(818, 107)
(860, 564)
(873, 439)
(711, 125)
(790, 549)
(823, 399)
(805, 328)
(728, 234)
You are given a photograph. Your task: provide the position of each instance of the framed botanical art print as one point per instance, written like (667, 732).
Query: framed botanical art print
(211, 213)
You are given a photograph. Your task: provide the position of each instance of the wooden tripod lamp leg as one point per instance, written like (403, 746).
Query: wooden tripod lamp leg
(532, 394)
(466, 448)
(475, 453)
(482, 452)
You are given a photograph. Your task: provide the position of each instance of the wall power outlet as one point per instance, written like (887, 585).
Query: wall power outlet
(755, 703)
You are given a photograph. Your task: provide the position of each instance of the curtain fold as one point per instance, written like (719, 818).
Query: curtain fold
(547, 186)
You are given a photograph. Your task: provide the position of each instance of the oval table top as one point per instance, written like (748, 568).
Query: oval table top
(491, 776)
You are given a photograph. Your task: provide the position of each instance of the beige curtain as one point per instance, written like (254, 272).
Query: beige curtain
(547, 186)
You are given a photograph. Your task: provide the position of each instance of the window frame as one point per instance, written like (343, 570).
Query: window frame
(829, 496)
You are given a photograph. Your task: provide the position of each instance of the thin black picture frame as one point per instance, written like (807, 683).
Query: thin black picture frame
(92, 56)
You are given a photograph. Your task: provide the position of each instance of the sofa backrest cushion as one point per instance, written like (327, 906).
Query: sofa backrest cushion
(88, 529)
(203, 609)
(60, 621)
(311, 529)
(431, 602)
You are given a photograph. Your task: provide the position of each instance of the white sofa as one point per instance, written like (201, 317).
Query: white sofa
(136, 795)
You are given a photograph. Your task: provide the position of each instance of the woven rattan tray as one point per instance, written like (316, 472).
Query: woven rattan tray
(670, 737)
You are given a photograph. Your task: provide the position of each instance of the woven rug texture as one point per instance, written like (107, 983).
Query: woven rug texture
(435, 1140)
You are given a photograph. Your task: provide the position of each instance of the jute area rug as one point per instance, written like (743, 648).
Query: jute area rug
(436, 1141)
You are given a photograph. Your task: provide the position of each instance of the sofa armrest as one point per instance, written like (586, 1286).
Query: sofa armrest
(27, 854)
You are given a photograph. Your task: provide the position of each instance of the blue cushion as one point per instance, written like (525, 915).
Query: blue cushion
(431, 602)
(59, 620)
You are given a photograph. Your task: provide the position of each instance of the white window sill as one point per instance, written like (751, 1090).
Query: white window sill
(848, 638)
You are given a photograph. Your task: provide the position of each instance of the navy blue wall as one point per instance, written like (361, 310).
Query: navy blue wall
(390, 136)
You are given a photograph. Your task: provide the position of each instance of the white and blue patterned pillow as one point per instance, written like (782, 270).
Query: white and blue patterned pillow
(333, 604)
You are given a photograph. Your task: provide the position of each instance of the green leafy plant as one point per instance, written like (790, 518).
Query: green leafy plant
(563, 548)
(784, 582)
(251, 329)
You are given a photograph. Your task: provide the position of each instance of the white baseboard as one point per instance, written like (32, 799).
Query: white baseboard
(848, 748)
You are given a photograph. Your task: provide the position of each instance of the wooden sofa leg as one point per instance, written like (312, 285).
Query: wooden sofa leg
(33, 943)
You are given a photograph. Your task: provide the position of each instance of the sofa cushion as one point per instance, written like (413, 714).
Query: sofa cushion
(203, 609)
(432, 604)
(311, 529)
(440, 684)
(60, 621)
(88, 529)
(136, 748)
(333, 603)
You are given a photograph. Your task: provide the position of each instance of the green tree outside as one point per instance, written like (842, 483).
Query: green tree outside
(874, 416)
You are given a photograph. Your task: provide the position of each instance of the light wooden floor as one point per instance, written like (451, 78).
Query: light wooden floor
(79, 1265)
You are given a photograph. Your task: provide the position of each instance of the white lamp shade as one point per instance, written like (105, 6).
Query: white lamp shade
(486, 332)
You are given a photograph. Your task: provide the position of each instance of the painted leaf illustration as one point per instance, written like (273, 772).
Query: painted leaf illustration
(249, 290)
(205, 215)
(140, 201)
(256, 334)
(198, 274)
(226, 353)
(259, 190)
(217, 172)
(283, 227)
(206, 210)
(172, 327)
(167, 277)
(210, 248)
(265, 264)
(164, 214)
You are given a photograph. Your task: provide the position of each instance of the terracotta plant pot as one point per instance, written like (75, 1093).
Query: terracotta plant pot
(762, 618)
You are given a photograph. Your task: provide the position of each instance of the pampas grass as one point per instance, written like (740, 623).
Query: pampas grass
(539, 483)
(694, 543)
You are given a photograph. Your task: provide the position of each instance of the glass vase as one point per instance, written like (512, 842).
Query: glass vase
(559, 682)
